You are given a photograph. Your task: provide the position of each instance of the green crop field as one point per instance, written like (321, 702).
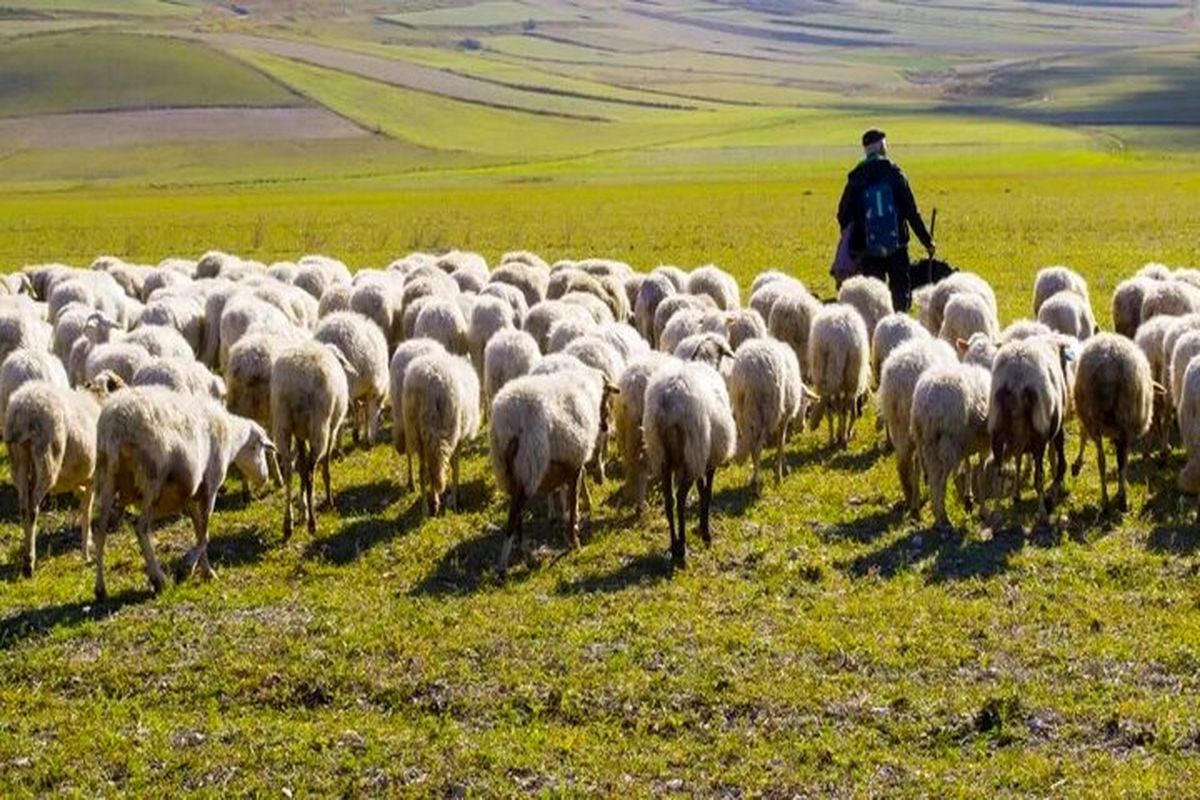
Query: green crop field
(825, 645)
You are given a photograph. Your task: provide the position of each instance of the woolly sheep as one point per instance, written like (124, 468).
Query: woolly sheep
(742, 325)
(710, 348)
(839, 359)
(50, 432)
(675, 275)
(442, 321)
(1127, 302)
(764, 295)
(20, 329)
(1053, 280)
(335, 298)
(179, 375)
(979, 350)
(25, 366)
(891, 332)
(654, 289)
(365, 350)
(1114, 398)
(406, 353)
(565, 331)
(248, 374)
(531, 280)
(160, 341)
(1068, 313)
(68, 328)
(1170, 298)
(120, 358)
(595, 352)
(508, 355)
(869, 297)
(762, 279)
(243, 314)
(163, 279)
(676, 304)
(932, 299)
(965, 315)
(183, 314)
(169, 452)
(1189, 427)
(309, 401)
(623, 338)
(949, 425)
(441, 414)
(543, 315)
(597, 308)
(689, 431)
(1023, 329)
(766, 395)
(509, 294)
(1186, 347)
(791, 322)
(1149, 339)
(213, 263)
(716, 284)
(544, 430)
(316, 273)
(897, 382)
(378, 301)
(682, 325)
(1157, 272)
(629, 405)
(489, 316)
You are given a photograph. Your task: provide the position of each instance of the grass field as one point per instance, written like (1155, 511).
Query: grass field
(824, 646)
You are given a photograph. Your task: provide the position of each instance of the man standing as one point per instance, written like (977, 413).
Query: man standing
(879, 204)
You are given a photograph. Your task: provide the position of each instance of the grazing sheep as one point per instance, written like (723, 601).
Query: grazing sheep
(315, 274)
(160, 341)
(595, 352)
(1053, 280)
(709, 348)
(21, 329)
(869, 297)
(766, 394)
(366, 353)
(309, 400)
(1186, 347)
(1127, 304)
(68, 329)
(1189, 426)
(1156, 272)
(839, 359)
(1024, 329)
(179, 375)
(532, 280)
(891, 332)
(965, 315)
(791, 322)
(1149, 339)
(441, 414)
(1069, 314)
(508, 355)
(565, 331)
(183, 314)
(511, 295)
(654, 289)
(490, 316)
(1170, 298)
(247, 313)
(1027, 410)
(1114, 398)
(742, 325)
(248, 374)
(597, 308)
(949, 424)
(378, 299)
(689, 432)
(676, 304)
(629, 406)
(543, 315)
(932, 299)
(717, 284)
(979, 350)
(897, 382)
(25, 366)
(442, 320)
(120, 358)
(683, 325)
(406, 353)
(623, 338)
(677, 276)
(214, 263)
(169, 452)
(544, 430)
(335, 298)
(50, 431)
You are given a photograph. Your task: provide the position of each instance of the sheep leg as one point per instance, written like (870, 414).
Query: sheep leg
(830, 417)
(755, 458)
(1122, 461)
(938, 478)
(681, 493)
(158, 581)
(586, 494)
(513, 532)
(308, 478)
(86, 496)
(29, 515)
(572, 531)
(783, 432)
(1077, 464)
(325, 479)
(286, 465)
(1039, 478)
(1060, 466)
(668, 504)
(452, 501)
(106, 490)
(601, 449)
(198, 556)
(906, 466)
(1103, 470)
(372, 420)
(408, 456)
(706, 488)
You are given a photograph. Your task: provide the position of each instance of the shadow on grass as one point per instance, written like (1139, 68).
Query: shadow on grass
(355, 538)
(35, 622)
(643, 570)
(247, 546)
(955, 557)
(369, 498)
(1172, 516)
(868, 528)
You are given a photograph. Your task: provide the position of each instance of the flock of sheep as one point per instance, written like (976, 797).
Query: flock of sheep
(143, 385)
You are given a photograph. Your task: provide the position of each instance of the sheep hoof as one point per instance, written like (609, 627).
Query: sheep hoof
(27, 568)
(1076, 468)
(287, 531)
(1122, 503)
(158, 583)
(101, 592)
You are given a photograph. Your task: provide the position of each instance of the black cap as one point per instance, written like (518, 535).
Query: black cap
(872, 136)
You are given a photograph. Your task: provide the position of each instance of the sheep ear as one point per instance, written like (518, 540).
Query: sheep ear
(961, 345)
(1159, 389)
(726, 350)
(610, 388)
(811, 395)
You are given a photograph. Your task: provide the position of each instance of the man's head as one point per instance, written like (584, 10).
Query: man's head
(874, 142)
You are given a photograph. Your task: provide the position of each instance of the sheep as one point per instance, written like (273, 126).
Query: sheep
(1156, 272)
(1187, 275)
(379, 301)
(365, 350)
(213, 263)
(489, 316)
(770, 276)
(543, 315)
(595, 352)
(315, 274)
(68, 328)
(764, 295)
(441, 320)
(1189, 426)
(766, 394)
(1069, 314)
(1024, 329)
(840, 361)
(160, 341)
(623, 338)
(1053, 280)
(1185, 348)
(530, 279)
(1149, 339)
(283, 271)
(597, 308)
(462, 261)
(897, 382)
(869, 297)
(569, 280)
(21, 329)
(932, 299)
(50, 432)
(1170, 298)
(406, 353)
(544, 430)
(335, 298)
(689, 432)
(176, 374)
(1027, 410)
(248, 374)
(653, 290)
(979, 350)
(1127, 302)
(95, 289)
(565, 331)
(965, 315)
(710, 348)
(24, 366)
(243, 314)
(629, 405)
(676, 304)
(717, 284)
(1114, 398)
(169, 452)
(214, 309)
(742, 325)
(675, 275)
(183, 314)
(509, 294)
(791, 322)
(891, 332)
(949, 424)
(682, 325)
(120, 358)
(508, 355)
(163, 279)
(441, 414)
(525, 257)
(310, 397)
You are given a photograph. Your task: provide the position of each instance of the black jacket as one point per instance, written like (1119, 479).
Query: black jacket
(871, 171)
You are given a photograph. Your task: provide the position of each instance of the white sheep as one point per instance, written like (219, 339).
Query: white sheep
(377, 299)
(623, 338)
(979, 350)
(791, 322)
(1149, 339)
(532, 280)
(897, 382)
(839, 360)
(1127, 302)
(406, 352)
(121, 358)
(869, 297)
(1114, 398)
(25, 366)
(309, 401)
(366, 353)
(629, 405)
(181, 313)
(543, 315)
(50, 432)
(677, 276)
(742, 325)
(1189, 426)
(766, 395)
(1023, 329)
(511, 295)
(442, 320)
(441, 414)
(22, 329)
(248, 374)
(949, 425)
(1153, 271)
(1053, 280)
(717, 284)
(490, 316)
(932, 299)
(1170, 298)
(180, 375)
(965, 315)
(597, 308)
(1069, 314)
(1186, 347)
(768, 287)
(891, 332)
(676, 304)
(507, 356)
(246, 313)
(653, 290)
(565, 331)
(169, 452)
(690, 432)
(335, 298)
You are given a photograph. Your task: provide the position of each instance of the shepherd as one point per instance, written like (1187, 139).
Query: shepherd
(875, 213)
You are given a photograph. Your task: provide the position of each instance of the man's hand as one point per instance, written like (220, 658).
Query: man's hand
(931, 249)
